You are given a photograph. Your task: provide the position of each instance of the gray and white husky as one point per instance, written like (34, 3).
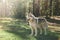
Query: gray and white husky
(37, 23)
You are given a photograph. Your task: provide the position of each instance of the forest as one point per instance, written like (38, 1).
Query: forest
(13, 23)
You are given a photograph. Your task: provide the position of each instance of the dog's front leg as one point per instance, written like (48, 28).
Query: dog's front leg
(35, 31)
(32, 30)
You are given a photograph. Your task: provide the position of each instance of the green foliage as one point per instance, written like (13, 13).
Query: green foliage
(20, 11)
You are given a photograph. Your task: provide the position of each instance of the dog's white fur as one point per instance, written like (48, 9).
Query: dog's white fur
(35, 23)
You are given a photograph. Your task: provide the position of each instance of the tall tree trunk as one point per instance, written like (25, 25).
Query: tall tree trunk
(50, 7)
(57, 8)
(36, 8)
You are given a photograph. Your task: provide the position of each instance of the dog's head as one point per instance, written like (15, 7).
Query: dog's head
(30, 17)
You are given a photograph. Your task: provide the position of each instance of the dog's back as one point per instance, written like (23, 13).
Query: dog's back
(36, 20)
(42, 22)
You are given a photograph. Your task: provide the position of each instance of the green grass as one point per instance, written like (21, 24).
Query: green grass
(12, 34)
(19, 30)
(8, 36)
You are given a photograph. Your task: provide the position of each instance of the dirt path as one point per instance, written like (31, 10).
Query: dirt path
(55, 17)
(54, 29)
(1, 27)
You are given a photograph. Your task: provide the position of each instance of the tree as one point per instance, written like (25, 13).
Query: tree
(36, 7)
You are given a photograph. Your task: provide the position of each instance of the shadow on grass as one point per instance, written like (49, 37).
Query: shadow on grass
(49, 36)
(21, 33)
(25, 34)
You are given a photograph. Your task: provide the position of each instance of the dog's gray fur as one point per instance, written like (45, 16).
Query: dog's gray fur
(37, 22)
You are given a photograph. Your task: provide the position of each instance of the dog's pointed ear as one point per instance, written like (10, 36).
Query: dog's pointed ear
(31, 15)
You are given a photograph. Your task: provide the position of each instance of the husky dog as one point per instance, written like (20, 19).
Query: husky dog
(37, 23)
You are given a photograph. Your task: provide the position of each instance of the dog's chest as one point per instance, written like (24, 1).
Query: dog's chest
(32, 23)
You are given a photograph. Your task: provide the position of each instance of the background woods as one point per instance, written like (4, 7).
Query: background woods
(38, 7)
(13, 25)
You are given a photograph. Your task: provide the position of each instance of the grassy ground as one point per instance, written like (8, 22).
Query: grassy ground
(19, 30)
(8, 36)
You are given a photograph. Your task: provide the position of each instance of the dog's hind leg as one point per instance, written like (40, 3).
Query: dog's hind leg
(39, 26)
(45, 28)
(40, 30)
